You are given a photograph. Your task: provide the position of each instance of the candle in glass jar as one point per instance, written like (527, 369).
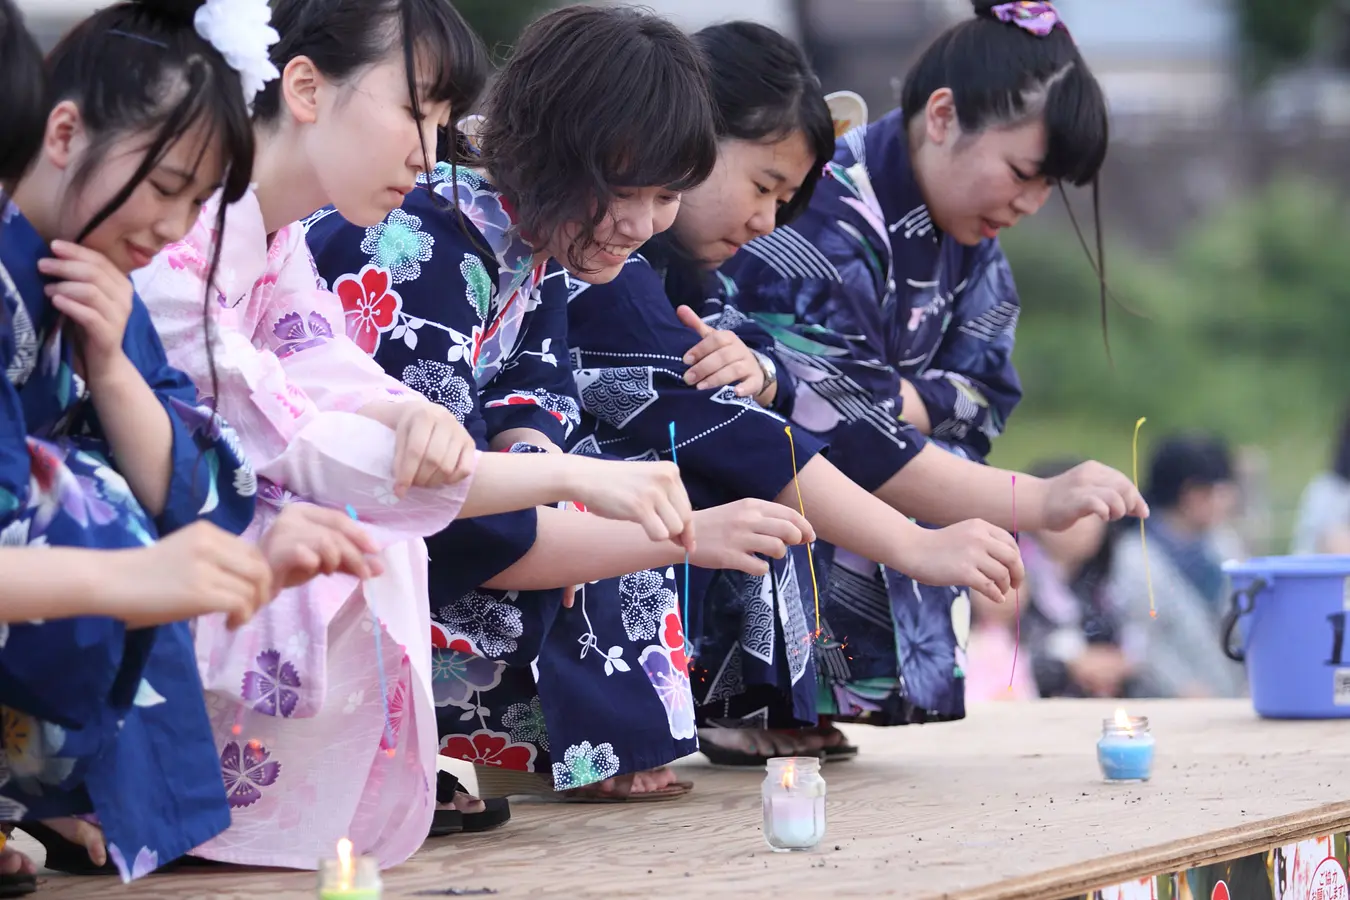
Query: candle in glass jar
(1125, 750)
(349, 877)
(794, 804)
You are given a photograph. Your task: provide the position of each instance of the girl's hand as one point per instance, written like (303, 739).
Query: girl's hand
(735, 535)
(649, 493)
(196, 570)
(306, 541)
(96, 296)
(1090, 489)
(720, 358)
(431, 447)
(972, 554)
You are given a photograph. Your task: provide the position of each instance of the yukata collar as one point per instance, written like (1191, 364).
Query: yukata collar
(891, 169)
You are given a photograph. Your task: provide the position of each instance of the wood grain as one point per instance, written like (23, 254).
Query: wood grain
(1007, 805)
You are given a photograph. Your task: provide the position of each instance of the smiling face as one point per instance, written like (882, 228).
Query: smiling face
(160, 210)
(634, 216)
(752, 181)
(975, 185)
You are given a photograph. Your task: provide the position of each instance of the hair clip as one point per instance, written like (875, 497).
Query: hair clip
(1038, 17)
(139, 37)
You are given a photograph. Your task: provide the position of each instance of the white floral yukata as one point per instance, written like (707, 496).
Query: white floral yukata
(584, 694)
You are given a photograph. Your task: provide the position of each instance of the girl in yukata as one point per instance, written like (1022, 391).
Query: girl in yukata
(754, 633)
(593, 129)
(322, 707)
(105, 448)
(838, 341)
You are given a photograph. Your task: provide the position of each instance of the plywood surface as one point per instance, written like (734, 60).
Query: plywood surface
(1006, 805)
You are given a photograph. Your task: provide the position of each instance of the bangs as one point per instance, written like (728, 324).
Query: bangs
(1076, 128)
(673, 150)
(450, 61)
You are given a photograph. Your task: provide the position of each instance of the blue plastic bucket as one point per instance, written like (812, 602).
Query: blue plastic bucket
(1292, 618)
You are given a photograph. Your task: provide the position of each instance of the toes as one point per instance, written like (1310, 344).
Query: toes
(467, 803)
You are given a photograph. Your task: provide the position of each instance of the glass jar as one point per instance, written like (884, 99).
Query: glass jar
(794, 803)
(1125, 751)
(349, 878)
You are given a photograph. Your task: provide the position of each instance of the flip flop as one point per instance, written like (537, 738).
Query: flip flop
(17, 884)
(673, 791)
(446, 822)
(731, 758)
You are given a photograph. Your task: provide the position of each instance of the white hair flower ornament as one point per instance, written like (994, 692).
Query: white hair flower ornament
(242, 32)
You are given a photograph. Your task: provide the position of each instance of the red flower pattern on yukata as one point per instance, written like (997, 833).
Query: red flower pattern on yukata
(370, 304)
(489, 748)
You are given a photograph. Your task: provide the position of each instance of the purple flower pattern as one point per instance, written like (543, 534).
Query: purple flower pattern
(246, 770)
(296, 333)
(274, 687)
(457, 677)
(672, 686)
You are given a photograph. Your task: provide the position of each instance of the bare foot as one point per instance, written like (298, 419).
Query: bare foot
(759, 742)
(646, 782)
(83, 834)
(465, 803)
(12, 862)
(830, 735)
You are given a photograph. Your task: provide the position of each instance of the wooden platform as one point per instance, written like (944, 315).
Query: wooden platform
(1007, 805)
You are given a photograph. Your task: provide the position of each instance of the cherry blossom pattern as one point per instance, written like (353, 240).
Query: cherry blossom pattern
(583, 764)
(526, 722)
(438, 383)
(399, 246)
(491, 623)
(565, 409)
(247, 770)
(644, 601)
(275, 688)
(459, 676)
(146, 861)
(370, 304)
(489, 748)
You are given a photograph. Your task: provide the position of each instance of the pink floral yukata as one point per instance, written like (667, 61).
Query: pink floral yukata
(295, 696)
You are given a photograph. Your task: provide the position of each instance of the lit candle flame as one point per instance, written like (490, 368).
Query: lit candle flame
(789, 779)
(1123, 722)
(346, 868)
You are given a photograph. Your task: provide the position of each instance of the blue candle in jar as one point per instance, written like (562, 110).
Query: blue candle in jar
(1125, 751)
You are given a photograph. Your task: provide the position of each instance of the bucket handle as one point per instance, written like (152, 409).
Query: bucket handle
(1242, 603)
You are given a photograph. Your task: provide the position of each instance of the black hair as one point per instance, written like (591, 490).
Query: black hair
(25, 86)
(1185, 461)
(595, 100)
(341, 37)
(140, 67)
(999, 74)
(764, 89)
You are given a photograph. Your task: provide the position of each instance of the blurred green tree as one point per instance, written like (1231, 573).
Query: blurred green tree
(501, 21)
(1279, 33)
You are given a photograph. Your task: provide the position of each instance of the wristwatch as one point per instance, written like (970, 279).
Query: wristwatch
(766, 365)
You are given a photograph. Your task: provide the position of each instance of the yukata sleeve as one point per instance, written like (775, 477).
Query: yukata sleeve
(725, 315)
(274, 368)
(63, 670)
(535, 389)
(211, 478)
(843, 390)
(971, 387)
(631, 345)
(430, 351)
